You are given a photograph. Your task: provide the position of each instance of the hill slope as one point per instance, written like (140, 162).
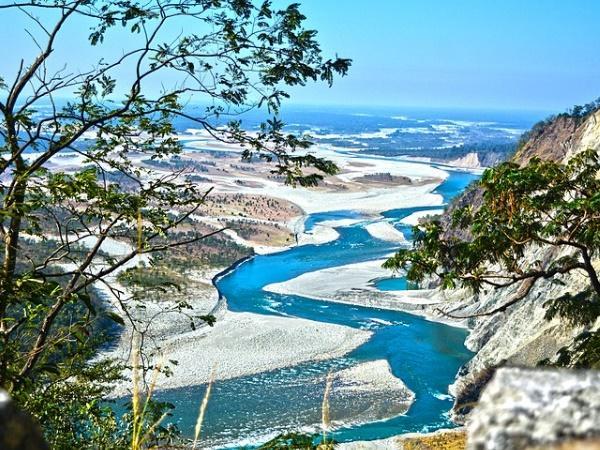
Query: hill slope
(521, 335)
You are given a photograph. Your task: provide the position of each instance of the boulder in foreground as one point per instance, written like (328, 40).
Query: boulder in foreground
(535, 409)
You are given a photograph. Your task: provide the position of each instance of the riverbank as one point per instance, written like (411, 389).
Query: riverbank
(241, 344)
(238, 344)
(354, 284)
(278, 349)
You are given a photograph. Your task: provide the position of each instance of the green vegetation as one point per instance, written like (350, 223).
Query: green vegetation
(97, 218)
(217, 250)
(584, 353)
(545, 207)
(297, 441)
(176, 163)
(263, 233)
(489, 152)
(151, 278)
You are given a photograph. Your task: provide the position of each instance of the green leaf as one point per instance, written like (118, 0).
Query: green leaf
(115, 318)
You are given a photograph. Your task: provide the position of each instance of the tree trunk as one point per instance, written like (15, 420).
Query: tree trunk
(587, 260)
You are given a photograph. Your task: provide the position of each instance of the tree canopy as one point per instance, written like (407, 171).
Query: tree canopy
(231, 56)
(543, 205)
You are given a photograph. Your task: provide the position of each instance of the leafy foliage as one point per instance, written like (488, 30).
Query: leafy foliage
(582, 308)
(296, 441)
(583, 353)
(65, 231)
(543, 204)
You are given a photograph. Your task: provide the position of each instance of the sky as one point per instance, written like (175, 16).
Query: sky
(528, 54)
(532, 54)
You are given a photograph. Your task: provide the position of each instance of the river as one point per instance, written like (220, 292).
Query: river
(425, 355)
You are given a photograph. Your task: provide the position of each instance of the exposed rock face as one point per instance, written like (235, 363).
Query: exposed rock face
(470, 160)
(562, 138)
(521, 335)
(525, 409)
(550, 142)
(17, 430)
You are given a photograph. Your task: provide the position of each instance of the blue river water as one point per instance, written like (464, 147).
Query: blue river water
(425, 355)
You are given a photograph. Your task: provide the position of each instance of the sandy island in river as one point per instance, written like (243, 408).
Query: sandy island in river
(263, 213)
(244, 344)
(355, 284)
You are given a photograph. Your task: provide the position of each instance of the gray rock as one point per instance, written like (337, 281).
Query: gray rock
(18, 431)
(521, 335)
(527, 408)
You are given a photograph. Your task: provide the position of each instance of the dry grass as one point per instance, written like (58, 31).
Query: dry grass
(249, 206)
(593, 444)
(202, 411)
(141, 428)
(272, 234)
(445, 440)
(325, 414)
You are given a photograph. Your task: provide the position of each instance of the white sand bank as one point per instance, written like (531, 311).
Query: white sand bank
(385, 231)
(326, 284)
(355, 196)
(244, 343)
(319, 234)
(370, 376)
(371, 200)
(353, 284)
(238, 344)
(415, 217)
(367, 392)
(340, 222)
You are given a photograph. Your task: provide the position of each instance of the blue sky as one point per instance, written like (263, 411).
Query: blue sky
(527, 54)
(533, 54)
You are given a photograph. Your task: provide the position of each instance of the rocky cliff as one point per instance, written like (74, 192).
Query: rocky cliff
(537, 409)
(520, 409)
(521, 335)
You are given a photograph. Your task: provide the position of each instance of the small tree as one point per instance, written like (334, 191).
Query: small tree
(542, 205)
(234, 55)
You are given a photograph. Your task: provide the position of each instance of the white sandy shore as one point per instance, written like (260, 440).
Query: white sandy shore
(371, 389)
(340, 222)
(371, 200)
(385, 231)
(330, 283)
(415, 217)
(355, 197)
(319, 234)
(353, 284)
(238, 344)
(370, 376)
(245, 343)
